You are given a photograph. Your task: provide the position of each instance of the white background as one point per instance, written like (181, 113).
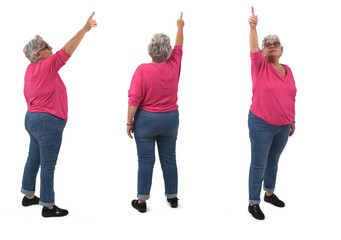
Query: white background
(96, 173)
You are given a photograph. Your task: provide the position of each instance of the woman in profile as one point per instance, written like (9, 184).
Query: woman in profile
(46, 117)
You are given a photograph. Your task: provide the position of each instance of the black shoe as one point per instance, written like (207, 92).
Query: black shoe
(173, 202)
(256, 212)
(54, 212)
(141, 207)
(28, 202)
(273, 199)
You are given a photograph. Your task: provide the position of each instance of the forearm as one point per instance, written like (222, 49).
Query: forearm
(131, 113)
(71, 45)
(254, 45)
(179, 37)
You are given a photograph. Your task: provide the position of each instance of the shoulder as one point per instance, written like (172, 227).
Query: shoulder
(287, 68)
(258, 54)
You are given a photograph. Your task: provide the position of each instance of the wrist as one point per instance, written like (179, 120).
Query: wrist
(83, 31)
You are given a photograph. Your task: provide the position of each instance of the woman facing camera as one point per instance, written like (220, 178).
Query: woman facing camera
(153, 115)
(271, 116)
(46, 117)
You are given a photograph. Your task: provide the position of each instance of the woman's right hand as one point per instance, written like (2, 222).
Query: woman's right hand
(253, 20)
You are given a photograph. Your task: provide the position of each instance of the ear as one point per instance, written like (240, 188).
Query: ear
(38, 55)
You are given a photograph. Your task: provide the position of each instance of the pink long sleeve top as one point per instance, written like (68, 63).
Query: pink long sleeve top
(44, 90)
(154, 87)
(274, 95)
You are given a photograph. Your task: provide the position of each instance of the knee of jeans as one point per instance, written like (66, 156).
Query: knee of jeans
(168, 160)
(48, 167)
(258, 165)
(146, 161)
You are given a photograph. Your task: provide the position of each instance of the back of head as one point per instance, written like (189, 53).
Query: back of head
(159, 48)
(32, 48)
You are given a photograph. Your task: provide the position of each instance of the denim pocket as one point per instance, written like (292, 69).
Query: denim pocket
(146, 126)
(37, 127)
(174, 125)
(53, 117)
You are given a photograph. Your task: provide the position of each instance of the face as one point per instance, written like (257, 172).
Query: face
(272, 49)
(45, 51)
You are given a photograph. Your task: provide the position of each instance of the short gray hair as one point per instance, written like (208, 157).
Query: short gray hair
(270, 36)
(32, 48)
(159, 48)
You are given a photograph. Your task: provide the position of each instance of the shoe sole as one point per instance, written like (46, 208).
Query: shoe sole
(46, 216)
(274, 204)
(256, 217)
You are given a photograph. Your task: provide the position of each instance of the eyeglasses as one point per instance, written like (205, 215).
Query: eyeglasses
(46, 47)
(275, 44)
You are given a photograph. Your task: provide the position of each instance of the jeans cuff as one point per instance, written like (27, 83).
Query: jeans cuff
(254, 201)
(271, 190)
(27, 192)
(46, 204)
(142, 197)
(169, 196)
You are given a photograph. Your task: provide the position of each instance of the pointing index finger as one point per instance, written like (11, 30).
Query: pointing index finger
(253, 13)
(181, 16)
(91, 15)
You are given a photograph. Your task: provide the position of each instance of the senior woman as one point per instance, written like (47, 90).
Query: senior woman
(271, 116)
(46, 117)
(153, 115)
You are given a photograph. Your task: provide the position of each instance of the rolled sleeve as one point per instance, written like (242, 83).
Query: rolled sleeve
(57, 60)
(256, 59)
(135, 93)
(176, 56)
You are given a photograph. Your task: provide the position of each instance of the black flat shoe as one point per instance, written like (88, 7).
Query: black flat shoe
(141, 207)
(54, 212)
(256, 212)
(28, 202)
(173, 202)
(273, 199)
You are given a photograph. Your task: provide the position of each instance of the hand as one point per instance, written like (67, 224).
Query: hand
(180, 22)
(90, 23)
(130, 130)
(292, 130)
(253, 20)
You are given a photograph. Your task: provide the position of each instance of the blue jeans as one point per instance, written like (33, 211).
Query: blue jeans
(267, 144)
(161, 128)
(45, 132)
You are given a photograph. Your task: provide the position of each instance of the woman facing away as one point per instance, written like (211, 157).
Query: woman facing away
(271, 116)
(153, 115)
(46, 117)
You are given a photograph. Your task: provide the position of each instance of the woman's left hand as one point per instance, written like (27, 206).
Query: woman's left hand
(130, 130)
(292, 129)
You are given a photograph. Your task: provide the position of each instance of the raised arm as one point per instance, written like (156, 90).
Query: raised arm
(180, 34)
(253, 21)
(71, 45)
